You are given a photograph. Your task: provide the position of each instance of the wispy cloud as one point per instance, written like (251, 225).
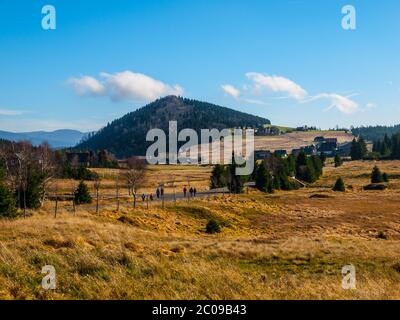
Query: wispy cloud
(277, 84)
(231, 90)
(10, 112)
(236, 93)
(126, 85)
(289, 89)
(342, 103)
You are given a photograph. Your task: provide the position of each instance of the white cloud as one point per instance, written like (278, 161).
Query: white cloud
(231, 90)
(130, 85)
(126, 85)
(87, 86)
(255, 101)
(277, 84)
(371, 105)
(341, 103)
(9, 112)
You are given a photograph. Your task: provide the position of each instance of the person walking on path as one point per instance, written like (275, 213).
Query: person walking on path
(158, 193)
(194, 192)
(143, 197)
(162, 192)
(191, 191)
(184, 191)
(151, 197)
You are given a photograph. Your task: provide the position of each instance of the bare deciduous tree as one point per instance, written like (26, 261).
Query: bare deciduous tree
(96, 185)
(134, 176)
(48, 166)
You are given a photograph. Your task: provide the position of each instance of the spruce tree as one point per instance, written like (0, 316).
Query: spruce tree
(363, 147)
(32, 195)
(264, 179)
(376, 175)
(235, 181)
(385, 177)
(322, 156)
(82, 194)
(218, 177)
(261, 177)
(356, 150)
(7, 203)
(8, 207)
(338, 161)
(339, 186)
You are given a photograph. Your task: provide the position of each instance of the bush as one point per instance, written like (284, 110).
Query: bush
(82, 194)
(339, 186)
(8, 207)
(382, 235)
(375, 187)
(376, 175)
(385, 177)
(213, 226)
(79, 173)
(338, 161)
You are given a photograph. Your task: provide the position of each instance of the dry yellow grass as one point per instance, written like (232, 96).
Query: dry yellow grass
(288, 245)
(297, 139)
(180, 175)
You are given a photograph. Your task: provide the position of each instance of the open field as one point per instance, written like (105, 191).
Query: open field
(180, 176)
(295, 140)
(288, 245)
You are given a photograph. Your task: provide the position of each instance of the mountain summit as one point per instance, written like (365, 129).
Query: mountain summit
(127, 136)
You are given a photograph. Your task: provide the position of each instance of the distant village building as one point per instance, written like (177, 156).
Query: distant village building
(332, 140)
(268, 131)
(310, 150)
(344, 149)
(296, 152)
(328, 148)
(319, 139)
(261, 154)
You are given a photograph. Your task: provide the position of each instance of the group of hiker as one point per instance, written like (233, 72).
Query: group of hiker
(192, 191)
(160, 193)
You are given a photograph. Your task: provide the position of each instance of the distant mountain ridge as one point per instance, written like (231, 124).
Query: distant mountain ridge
(63, 138)
(126, 136)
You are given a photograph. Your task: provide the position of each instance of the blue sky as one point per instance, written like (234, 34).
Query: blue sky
(288, 60)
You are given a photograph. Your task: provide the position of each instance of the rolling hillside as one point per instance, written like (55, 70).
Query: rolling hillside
(127, 136)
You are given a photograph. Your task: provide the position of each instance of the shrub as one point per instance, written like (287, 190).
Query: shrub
(213, 226)
(382, 235)
(339, 186)
(375, 187)
(385, 177)
(376, 175)
(79, 173)
(338, 161)
(82, 194)
(8, 207)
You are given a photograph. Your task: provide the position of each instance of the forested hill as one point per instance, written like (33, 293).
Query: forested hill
(127, 136)
(373, 133)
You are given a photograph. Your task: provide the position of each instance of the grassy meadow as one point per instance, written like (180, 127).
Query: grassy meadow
(286, 245)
